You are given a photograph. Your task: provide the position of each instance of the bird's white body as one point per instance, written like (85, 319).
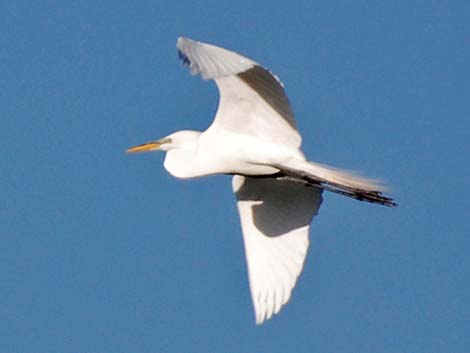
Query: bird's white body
(254, 137)
(237, 154)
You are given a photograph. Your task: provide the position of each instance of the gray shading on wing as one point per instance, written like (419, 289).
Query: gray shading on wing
(271, 90)
(275, 216)
(252, 99)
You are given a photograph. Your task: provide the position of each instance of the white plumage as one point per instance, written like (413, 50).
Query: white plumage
(255, 138)
(275, 217)
(209, 61)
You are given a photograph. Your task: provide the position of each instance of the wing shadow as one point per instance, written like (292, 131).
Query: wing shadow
(280, 206)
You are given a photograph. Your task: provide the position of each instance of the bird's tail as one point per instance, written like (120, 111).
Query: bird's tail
(336, 180)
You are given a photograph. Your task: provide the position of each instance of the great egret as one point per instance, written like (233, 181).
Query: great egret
(254, 137)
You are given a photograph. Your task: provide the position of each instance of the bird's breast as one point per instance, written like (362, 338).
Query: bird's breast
(242, 154)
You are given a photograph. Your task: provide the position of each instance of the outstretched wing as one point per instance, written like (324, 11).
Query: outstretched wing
(252, 99)
(275, 217)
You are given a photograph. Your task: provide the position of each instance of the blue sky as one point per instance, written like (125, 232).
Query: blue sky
(105, 252)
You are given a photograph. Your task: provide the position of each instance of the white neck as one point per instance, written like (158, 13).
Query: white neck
(181, 157)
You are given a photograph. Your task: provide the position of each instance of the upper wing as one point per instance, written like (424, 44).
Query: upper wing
(252, 99)
(275, 218)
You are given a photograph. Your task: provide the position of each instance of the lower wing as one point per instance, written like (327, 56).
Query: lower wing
(275, 217)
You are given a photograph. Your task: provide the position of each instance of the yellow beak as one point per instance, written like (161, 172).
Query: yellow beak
(149, 146)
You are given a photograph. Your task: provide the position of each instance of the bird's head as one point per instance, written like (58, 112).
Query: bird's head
(181, 148)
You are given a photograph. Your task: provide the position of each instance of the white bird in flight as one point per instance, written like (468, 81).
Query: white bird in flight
(254, 137)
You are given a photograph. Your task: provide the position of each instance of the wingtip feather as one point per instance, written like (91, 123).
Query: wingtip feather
(211, 61)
